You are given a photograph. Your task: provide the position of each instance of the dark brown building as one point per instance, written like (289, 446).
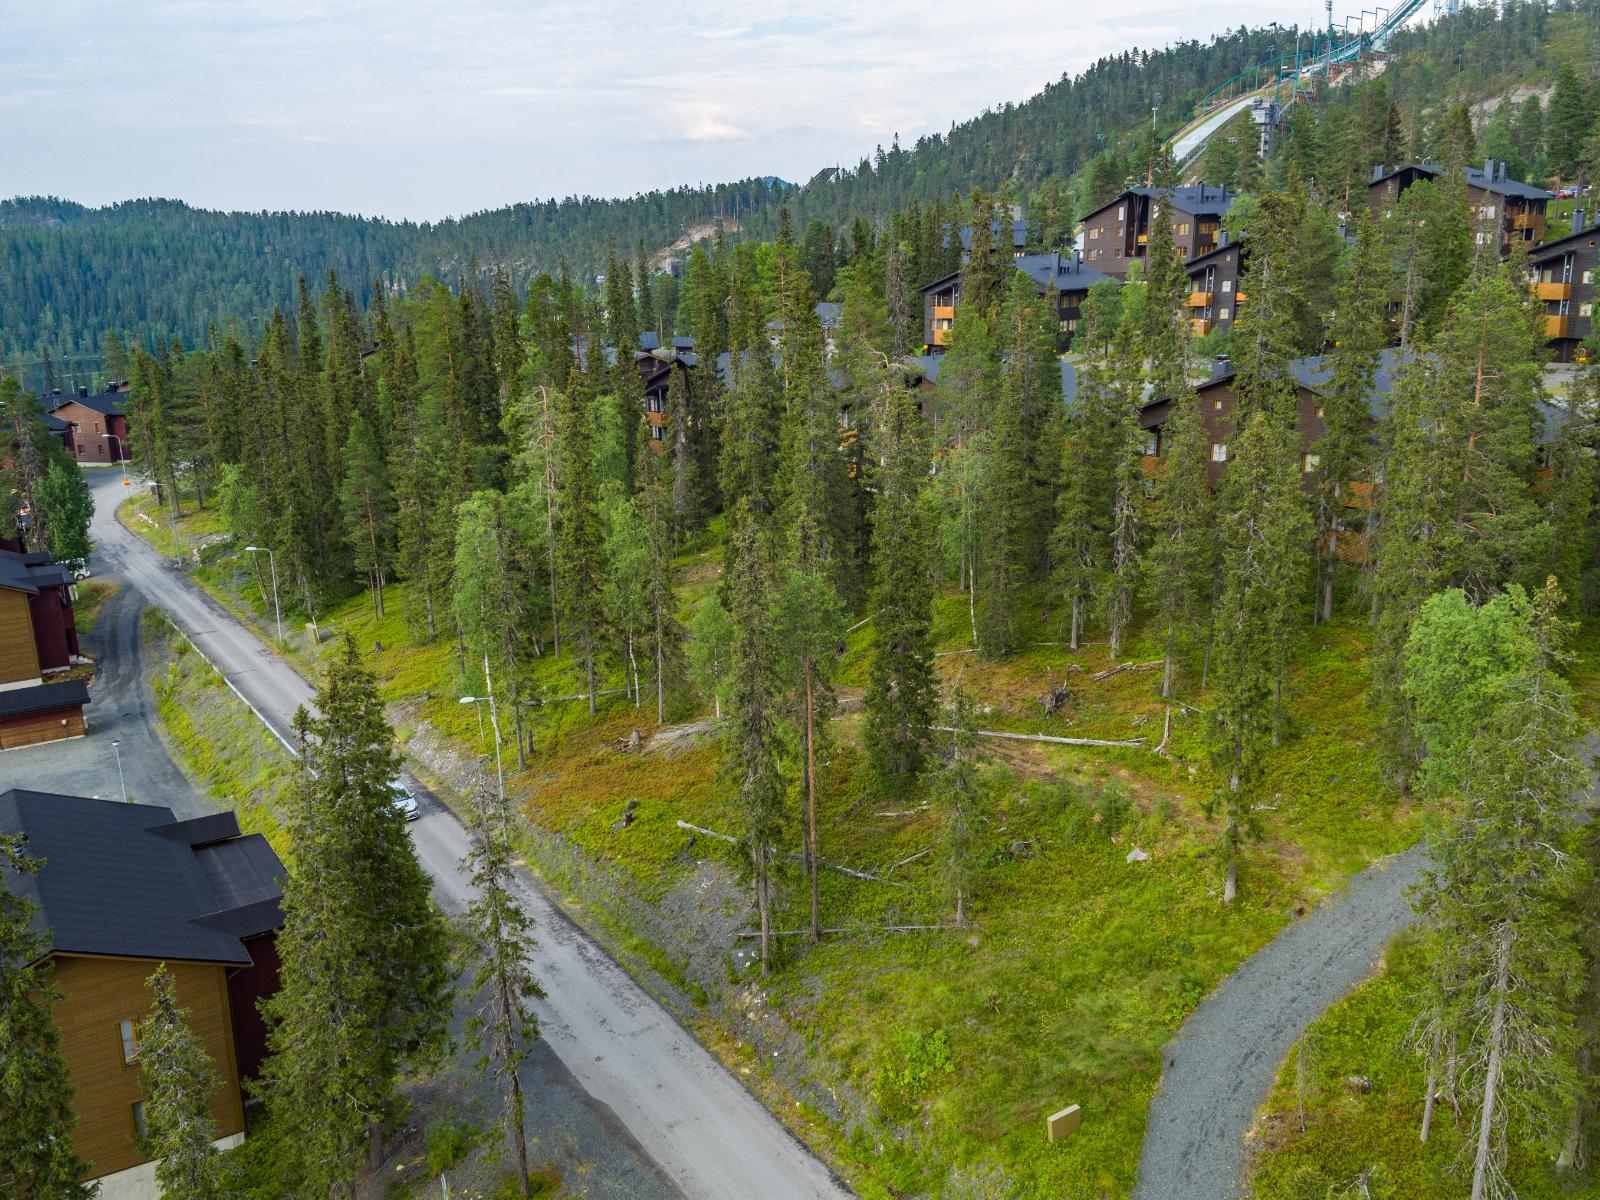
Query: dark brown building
(1564, 274)
(1214, 294)
(123, 889)
(1503, 210)
(38, 639)
(1117, 234)
(97, 425)
(1062, 274)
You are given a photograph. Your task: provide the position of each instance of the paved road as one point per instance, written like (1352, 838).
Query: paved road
(697, 1124)
(1218, 1070)
(122, 709)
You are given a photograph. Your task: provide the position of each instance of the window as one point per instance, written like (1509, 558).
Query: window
(1586, 309)
(1227, 286)
(1119, 251)
(1217, 404)
(1488, 212)
(1219, 452)
(1224, 313)
(1588, 277)
(657, 433)
(97, 426)
(1319, 411)
(130, 1041)
(1122, 212)
(1094, 234)
(1181, 229)
(138, 1118)
(1310, 462)
(1152, 443)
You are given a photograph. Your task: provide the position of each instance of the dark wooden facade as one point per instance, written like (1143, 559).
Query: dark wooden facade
(1117, 235)
(1219, 407)
(1564, 276)
(1504, 211)
(1062, 274)
(1214, 295)
(97, 426)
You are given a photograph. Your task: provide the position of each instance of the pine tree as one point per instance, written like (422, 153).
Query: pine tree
(1263, 531)
(179, 1083)
(750, 763)
(1571, 120)
(37, 1117)
(1081, 545)
(1497, 903)
(665, 635)
(901, 686)
(969, 385)
(1183, 552)
(504, 1026)
(366, 981)
(1128, 483)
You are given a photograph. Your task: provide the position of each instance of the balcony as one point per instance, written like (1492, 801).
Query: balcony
(1527, 220)
(1200, 326)
(944, 312)
(1555, 327)
(1553, 291)
(941, 337)
(1144, 239)
(1199, 299)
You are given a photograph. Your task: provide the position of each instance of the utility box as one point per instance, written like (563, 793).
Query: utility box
(1062, 1125)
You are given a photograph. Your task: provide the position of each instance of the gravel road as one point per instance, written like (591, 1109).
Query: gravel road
(702, 1133)
(1217, 1072)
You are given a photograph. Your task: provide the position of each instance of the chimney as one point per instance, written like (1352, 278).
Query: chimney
(1220, 366)
(1377, 172)
(1488, 170)
(1577, 220)
(83, 391)
(1222, 238)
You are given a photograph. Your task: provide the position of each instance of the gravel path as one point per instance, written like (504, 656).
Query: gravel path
(1217, 1072)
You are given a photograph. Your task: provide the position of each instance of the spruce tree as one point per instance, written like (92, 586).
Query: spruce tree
(1263, 530)
(503, 1026)
(365, 991)
(179, 1083)
(491, 595)
(956, 787)
(1183, 550)
(902, 689)
(1128, 484)
(37, 1118)
(751, 754)
(578, 554)
(665, 635)
(367, 505)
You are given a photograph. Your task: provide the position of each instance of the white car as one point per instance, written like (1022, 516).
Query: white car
(404, 802)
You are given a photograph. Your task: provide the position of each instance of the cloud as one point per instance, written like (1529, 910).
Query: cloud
(708, 128)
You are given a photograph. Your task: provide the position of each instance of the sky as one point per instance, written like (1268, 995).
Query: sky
(422, 109)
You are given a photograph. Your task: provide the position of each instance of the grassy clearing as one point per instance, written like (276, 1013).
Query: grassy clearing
(92, 595)
(214, 738)
(1078, 965)
(1348, 1130)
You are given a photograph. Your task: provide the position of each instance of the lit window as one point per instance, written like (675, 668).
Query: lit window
(1319, 410)
(1217, 404)
(1122, 212)
(138, 1118)
(1219, 451)
(1488, 212)
(130, 1041)
(1588, 277)
(1224, 313)
(1310, 462)
(1586, 309)
(1227, 286)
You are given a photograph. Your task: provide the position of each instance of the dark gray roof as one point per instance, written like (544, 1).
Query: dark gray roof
(1064, 272)
(648, 340)
(128, 880)
(828, 313)
(1314, 372)
(30, 572)
(106, 403)
(1196, 199)
(1559, 245)
(1019, 233)
(43, 697)
(1477, 177)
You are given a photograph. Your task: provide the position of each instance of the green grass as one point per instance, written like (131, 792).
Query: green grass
(1078, 965)
(1348, 1131)
(92, 595)
(215, 738)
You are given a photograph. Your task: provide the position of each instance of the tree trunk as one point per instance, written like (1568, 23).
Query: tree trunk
(961, 915)
(972, 598)
(1072, 636)
(811, 810)
(761, 904)
(633, 665)
(1481, 1165)
(1427, 1107)
(550, 519)
(588, 662)
(1230, 881)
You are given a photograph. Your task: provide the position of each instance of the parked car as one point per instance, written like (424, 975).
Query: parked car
(404, 802)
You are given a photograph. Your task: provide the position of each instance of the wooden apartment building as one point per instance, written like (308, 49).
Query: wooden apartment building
(1504, 211)
(1564, 275)
(1117, 234)
(38, 639)
(123, 889)
(1214, 295)
(1062, 274)
(97, 425)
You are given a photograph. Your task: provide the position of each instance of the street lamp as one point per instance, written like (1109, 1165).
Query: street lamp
(121, 780)
(272, 562)
(124, 462)
(494, 724)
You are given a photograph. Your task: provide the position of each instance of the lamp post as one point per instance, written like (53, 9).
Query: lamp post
(121, 780)
(272, 563)
(494, 724)
(122, 461)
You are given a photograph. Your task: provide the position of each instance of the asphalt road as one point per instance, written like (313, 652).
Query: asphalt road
(697, 1125)
(1217, 1072)
(121, 709)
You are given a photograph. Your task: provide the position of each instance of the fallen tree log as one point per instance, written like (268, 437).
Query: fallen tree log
(910, 858)
(842, 929)
(1127, 666)
(1042, 737)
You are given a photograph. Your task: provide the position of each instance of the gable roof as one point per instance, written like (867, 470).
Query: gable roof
(30, 572)
(1485, 178)
(1201, 260)
(1064, 272)
(1196, 199)
(107, 404)
(130, 880)
(43, 697)
(1559, 245)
